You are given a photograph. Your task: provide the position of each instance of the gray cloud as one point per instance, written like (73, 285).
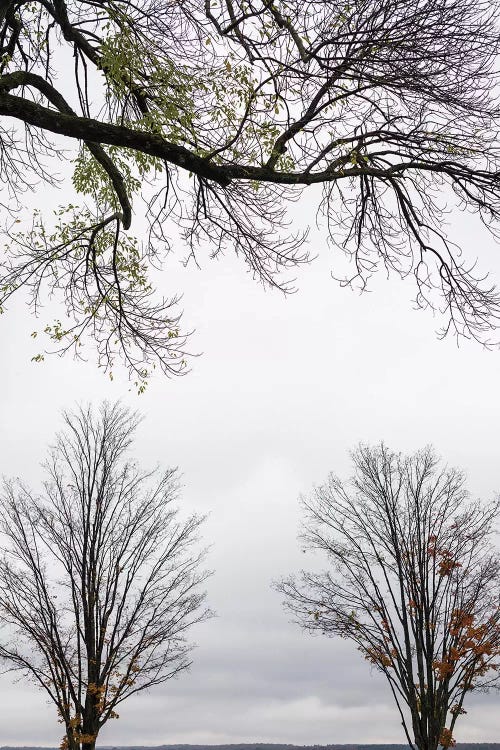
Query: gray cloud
(284, 389)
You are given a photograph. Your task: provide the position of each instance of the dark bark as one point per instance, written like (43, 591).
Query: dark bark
(87, 129)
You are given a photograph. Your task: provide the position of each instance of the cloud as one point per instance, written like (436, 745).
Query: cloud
(285, 388)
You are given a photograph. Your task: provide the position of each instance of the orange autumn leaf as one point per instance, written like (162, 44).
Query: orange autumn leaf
(446, 739)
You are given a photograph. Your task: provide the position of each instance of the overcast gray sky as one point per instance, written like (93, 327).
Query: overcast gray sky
(285, 387)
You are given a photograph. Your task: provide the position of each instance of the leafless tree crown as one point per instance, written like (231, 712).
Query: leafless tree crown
(99, 578)
(413, 581)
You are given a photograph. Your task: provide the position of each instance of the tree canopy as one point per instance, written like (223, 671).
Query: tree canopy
(413, 580)
(100, 580)
(218, 114)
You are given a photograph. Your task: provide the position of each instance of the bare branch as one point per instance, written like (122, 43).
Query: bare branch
(99, 581)
(389, 105)
(413, 582)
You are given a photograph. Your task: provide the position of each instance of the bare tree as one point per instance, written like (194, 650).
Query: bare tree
(414, 583)
(228, 109)
(99, 580)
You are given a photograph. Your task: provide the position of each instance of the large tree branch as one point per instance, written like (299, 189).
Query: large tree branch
(88, 129)
(23, 78)
(95, 131)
